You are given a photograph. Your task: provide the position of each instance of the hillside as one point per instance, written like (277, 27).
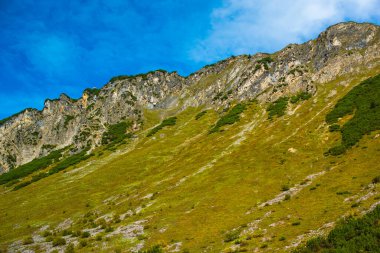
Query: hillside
(252, 154)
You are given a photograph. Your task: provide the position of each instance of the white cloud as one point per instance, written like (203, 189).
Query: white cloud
(248, 26)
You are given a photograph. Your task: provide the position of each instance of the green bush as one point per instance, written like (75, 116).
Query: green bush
(28, 240)
(70, 248)
(85, 234)
(92, 91)
(363, 101)
(70, 161)
(376, 180)
(153, 249)
(167, 122)
(231, 235)
(29, 168)
(300, 97)
(230, 118)
(350, 235)
(278, 107)
(200, 115)
(334, 128)
(63, 164)
(59, 241)
(116, 133)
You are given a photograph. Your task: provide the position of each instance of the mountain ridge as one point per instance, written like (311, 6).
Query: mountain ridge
(239, 159)
(164, 90)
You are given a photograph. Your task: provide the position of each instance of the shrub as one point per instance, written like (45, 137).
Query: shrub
(231, 235)
(116, 133)
(278, 107)
(230, 118)
(376, 180)
(28, 240)
(300, 97)
(363, 101)
(350, 235)
(296, 223)
(334, 128)
(167, 122)
(285, 188)
(70, 248)
(153, 249)
(199, 115)
(83, 243)
(85, 234)
(59, 241)
(46, 233)
(287, 197)
(282, 238)
(28, 168)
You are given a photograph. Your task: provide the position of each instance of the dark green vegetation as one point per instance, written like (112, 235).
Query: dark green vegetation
(278, 107)
(92, 91)
(63, 164)
(153, 249)
(351, 235)
(230, 118)
(363, 102)
(300, 97)
(264, 61)
(334, 128)
(199, 115)
(29, 168)
(116, 133)
(127, 77)
(167, 122)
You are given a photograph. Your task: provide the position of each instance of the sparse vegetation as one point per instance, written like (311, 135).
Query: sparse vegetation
(167, 122)
(230, 118)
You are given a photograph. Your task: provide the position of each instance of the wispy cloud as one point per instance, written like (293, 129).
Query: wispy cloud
(248, 26)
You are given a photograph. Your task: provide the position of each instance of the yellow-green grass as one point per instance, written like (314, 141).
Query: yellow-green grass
(207, 184)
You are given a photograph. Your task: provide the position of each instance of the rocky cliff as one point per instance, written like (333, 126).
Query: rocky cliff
(78, 124)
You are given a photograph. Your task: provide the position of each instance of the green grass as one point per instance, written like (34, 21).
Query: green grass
(166, 122)
(230, 118)
(363, 103)
(350, 235)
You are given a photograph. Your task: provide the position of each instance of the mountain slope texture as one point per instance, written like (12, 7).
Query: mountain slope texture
(256, 153)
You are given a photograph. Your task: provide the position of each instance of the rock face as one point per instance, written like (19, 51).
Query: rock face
(341, 49)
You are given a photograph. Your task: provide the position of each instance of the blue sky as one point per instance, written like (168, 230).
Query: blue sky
(52, 47)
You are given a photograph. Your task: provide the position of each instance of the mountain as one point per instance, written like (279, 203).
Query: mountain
(253, 153)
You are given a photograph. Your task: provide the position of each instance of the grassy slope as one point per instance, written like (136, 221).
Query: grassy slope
(207, 185)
